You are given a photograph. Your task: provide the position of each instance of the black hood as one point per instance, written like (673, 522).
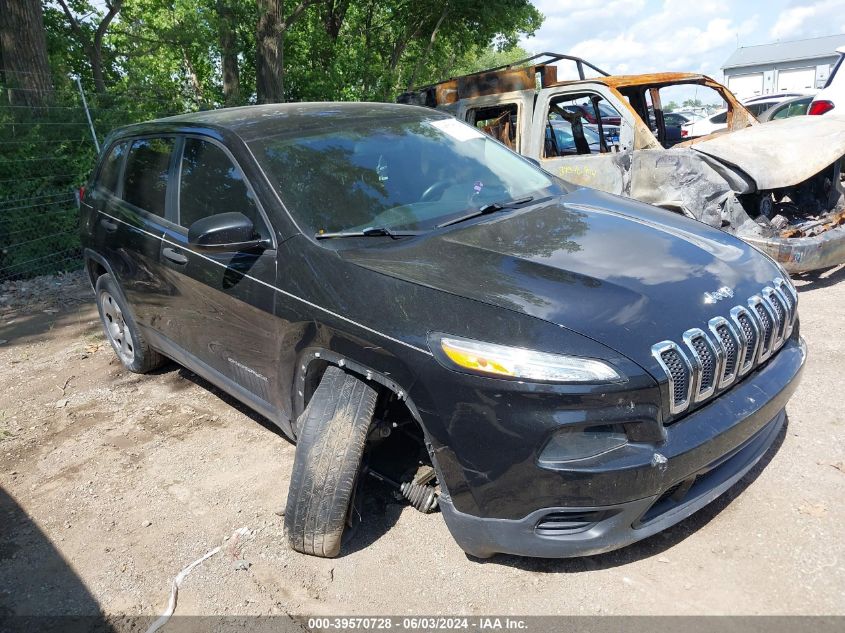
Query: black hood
(623, 273)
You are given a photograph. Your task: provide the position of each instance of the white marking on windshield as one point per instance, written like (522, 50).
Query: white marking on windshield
(457, 130)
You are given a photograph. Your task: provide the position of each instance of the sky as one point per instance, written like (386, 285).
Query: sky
(639, 36)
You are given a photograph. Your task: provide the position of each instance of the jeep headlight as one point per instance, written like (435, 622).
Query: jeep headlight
(516, 362)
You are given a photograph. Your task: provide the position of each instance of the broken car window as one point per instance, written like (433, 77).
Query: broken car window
(696, 100)
(499, 121)
(582, 124)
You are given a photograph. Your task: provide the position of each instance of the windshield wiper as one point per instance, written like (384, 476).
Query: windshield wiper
(488, 208)
(370, 231)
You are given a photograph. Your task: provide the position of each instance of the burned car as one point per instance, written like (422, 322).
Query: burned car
(561, 371)
(776, 186)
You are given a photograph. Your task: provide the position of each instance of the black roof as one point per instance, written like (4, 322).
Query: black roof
(256, 121)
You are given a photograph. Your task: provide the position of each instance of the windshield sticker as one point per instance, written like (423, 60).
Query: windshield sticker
(456, 129)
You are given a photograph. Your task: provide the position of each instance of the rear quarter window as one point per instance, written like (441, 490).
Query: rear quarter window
(107, 179)
(146, 173)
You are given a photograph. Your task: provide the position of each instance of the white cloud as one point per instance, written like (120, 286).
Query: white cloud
(642, 36)
(802, 19)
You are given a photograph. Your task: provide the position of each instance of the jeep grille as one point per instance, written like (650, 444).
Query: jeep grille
(707, 361)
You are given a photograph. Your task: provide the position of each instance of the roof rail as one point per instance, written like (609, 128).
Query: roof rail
(552, 58)
(522, 74)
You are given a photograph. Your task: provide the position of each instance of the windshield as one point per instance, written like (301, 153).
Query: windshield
(400, 174)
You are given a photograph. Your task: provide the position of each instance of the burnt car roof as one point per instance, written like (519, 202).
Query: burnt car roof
(648, 79)
(537, 71)
(256, 121)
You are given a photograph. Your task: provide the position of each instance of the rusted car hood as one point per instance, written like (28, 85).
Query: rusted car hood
(780, 153)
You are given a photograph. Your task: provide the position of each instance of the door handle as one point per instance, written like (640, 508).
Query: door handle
(108, 225)
(174, 256)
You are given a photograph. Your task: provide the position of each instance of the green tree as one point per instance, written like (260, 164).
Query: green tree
(23, 52)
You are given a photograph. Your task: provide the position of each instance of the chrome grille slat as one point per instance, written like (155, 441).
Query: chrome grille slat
(713, 359)
(788, 302)
(778, 314)
(705, 363)
(765, 321)
(781, 308)
(727, 338)
(677, 367)
(750, 334)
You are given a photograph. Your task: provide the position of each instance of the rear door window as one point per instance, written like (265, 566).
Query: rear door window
(210, 183)
(574, 125)
(146, 173)
(110, 171)
(497, 121)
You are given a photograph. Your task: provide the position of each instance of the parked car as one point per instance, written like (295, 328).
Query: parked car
(833, 93)
(607, 115)
(716, 122)
(560, 370)
(777, 187)
(678, 119)
(564, 140)
(758, 105)
(797, 106)
(691, 115)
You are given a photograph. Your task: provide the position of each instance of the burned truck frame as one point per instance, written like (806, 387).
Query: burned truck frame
(775, 185)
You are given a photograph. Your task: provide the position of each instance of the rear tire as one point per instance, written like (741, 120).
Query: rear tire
(332, 436)
(121, 331)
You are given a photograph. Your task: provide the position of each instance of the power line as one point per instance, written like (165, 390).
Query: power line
(25, 72)
(38, 259)
(38, 107)
(69, 211)
(48, 176)
(42, 204)
(39, 239)
(41, 123)
(46, 195)
(47, 140)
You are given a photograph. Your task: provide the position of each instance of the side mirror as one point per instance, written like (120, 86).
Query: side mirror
(224, 232)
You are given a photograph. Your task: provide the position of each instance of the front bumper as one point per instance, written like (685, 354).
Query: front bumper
(803, 254)
(704, 454)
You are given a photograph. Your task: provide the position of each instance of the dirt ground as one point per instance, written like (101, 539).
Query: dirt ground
(110, 483)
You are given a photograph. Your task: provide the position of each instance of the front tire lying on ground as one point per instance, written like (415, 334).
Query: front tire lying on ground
(121, 331)
(332, 436)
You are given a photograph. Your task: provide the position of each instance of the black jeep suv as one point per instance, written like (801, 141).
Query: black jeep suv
(568, 371)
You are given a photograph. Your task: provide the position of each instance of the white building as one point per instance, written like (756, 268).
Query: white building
(796, 66)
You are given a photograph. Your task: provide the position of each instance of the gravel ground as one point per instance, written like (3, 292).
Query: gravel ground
(110, 483)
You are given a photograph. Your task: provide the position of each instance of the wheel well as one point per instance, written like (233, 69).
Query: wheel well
(95, 271)
(397, 440)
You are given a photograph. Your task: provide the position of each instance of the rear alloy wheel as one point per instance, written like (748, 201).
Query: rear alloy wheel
(116, 330)
(332, 436)
(121, 331)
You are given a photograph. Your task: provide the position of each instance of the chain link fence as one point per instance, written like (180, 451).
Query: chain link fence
(47, 152)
